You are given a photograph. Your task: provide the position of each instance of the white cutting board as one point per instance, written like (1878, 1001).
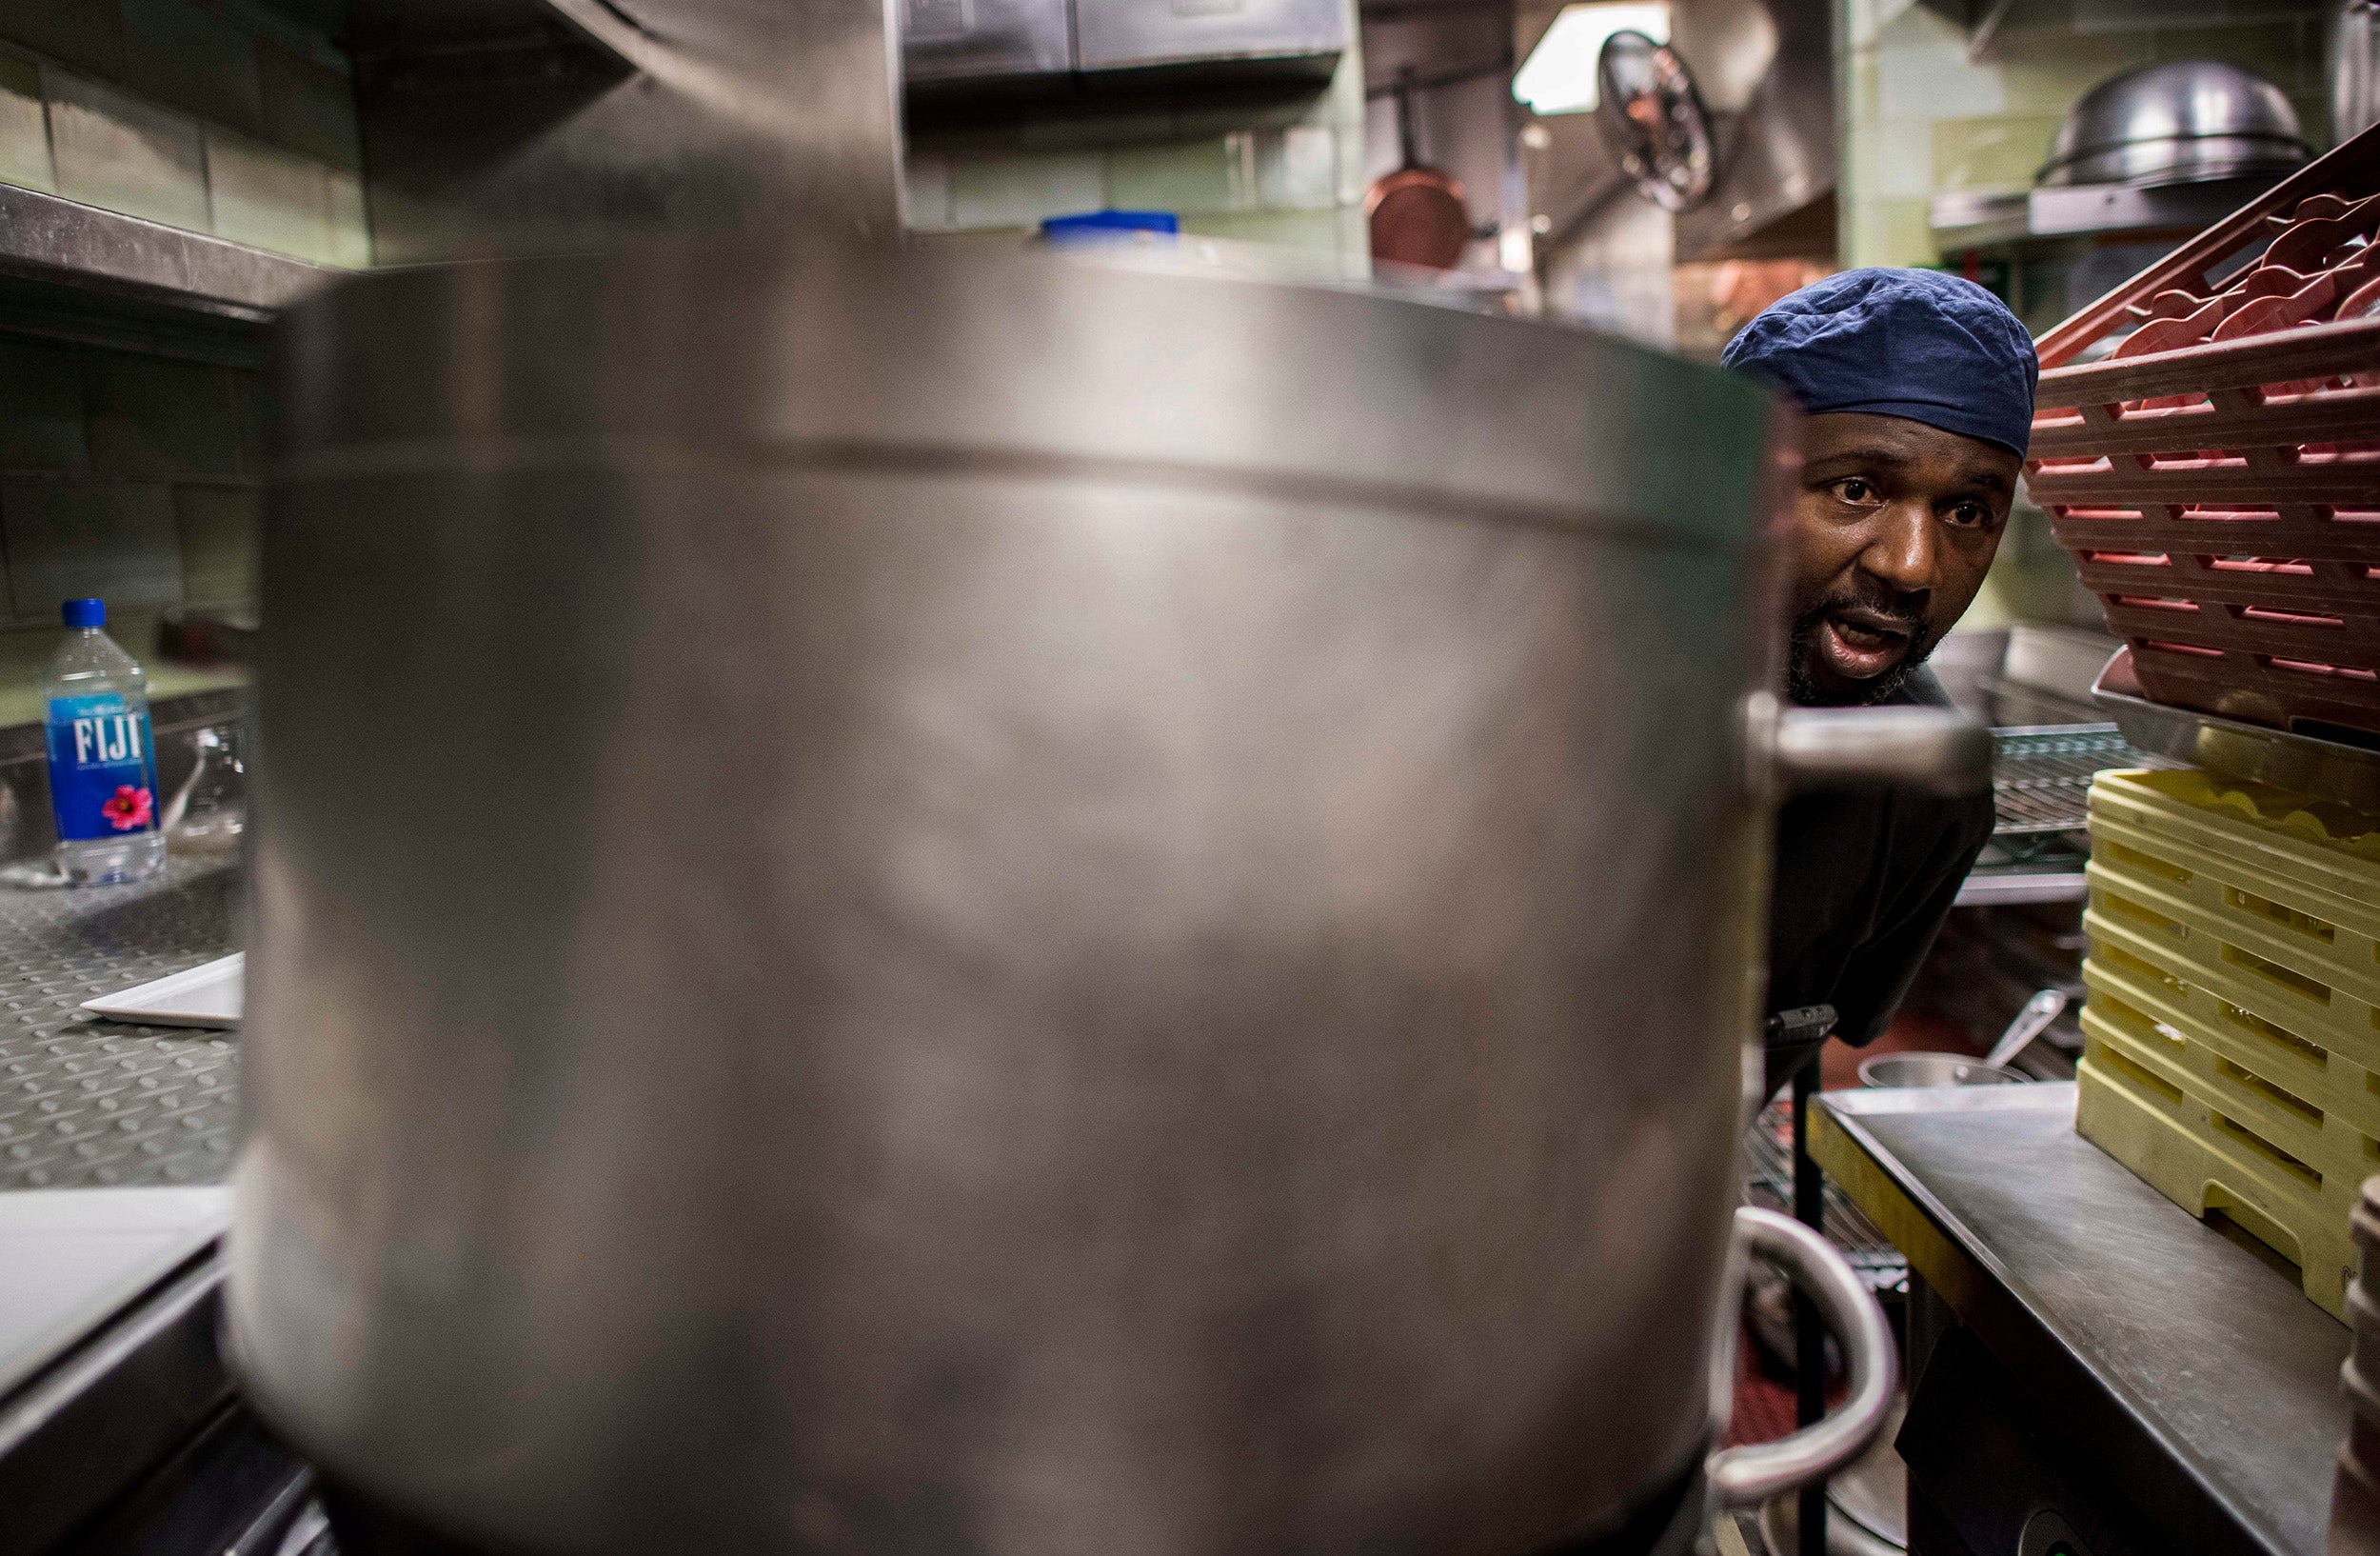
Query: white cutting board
(69, 1257)
(207, 995)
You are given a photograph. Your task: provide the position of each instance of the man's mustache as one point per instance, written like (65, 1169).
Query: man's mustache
(1902, 611)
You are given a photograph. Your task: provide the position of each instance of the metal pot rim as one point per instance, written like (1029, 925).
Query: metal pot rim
(2278, 154)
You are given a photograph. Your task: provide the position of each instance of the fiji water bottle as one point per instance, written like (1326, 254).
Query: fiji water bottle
(102, 769)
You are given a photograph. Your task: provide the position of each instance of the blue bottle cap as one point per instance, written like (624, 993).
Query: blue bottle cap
(85, 613)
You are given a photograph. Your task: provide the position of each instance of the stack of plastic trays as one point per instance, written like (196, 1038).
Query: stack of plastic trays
(2205, 443)
(2355, 1496)
(2232, 1029)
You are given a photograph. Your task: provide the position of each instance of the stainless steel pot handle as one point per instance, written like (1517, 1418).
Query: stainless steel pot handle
(1936, 749)
(1747, 1476)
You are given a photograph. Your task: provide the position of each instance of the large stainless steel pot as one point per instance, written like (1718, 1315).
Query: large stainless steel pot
(2177, 123)
(909, 902)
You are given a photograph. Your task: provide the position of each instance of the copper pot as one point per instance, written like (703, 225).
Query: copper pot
(1417, 213)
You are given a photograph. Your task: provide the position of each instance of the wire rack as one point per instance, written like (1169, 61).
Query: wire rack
(2041, 774)
(1770, 1178)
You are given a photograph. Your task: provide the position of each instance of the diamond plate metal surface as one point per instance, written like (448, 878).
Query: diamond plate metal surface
(85, 1101)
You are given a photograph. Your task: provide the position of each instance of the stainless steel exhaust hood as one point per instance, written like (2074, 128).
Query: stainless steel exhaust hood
(692, 115)
(1767, 70)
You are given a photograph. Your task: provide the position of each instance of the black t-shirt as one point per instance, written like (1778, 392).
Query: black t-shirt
(1862, 884)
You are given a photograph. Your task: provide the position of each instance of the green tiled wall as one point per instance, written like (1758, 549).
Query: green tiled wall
(133, 478)
(1283, 174)
(215, 117)
(1917, 116)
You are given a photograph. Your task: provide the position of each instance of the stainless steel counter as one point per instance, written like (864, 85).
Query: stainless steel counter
(2157, 1361)
(85, 1101)
(132, 1429)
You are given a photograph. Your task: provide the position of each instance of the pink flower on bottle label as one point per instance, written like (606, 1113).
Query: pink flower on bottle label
(129, 810)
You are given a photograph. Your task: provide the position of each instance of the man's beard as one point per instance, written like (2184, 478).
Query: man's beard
(1802, 681)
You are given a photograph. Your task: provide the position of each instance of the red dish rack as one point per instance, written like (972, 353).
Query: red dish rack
(2207, 445)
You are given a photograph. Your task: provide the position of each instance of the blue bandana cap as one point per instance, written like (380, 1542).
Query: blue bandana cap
(1917, 344)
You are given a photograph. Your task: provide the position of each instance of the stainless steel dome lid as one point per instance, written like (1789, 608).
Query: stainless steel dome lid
(2177, 123)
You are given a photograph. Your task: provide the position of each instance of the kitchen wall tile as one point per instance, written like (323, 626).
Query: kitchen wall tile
(140, 544)
(85, 33)
(1861, 87)
(69, 539)
(24, 127)
(26, 648)
(185, 54)
(2313, 118)
(1355, 244)
(309, 107)
(218, 528)
(1315, 232)
(1923, 73)
(1866, 21)
(2040, 79)
(1225, 117)
(350, 225)
(1895, 162)
(158, 420)
(1352, 154)
(2002, 152)
(2024, 584)
(410, 227)
(1861, 231)
(23, 651)
(1186, 125)
(2280, 51)
(1335, 104)
(1085, 132)
(1188, 177)
(246, 390)
(1343, 103)
(925, 182)
(993, 241)
(269, 198)
(41, 408)
(993, 139)
(1298, 168)
(118, 153)
(1893, 233)
(1020, 191)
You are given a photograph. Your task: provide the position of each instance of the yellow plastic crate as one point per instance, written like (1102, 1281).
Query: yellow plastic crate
(2233, 1019)
(2173, 1143)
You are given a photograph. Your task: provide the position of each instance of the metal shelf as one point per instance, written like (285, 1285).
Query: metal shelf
(2040, 787)
(1986, 218)
(2041, 775)
(2017, 884)
(46, 238)
(2330, 770)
